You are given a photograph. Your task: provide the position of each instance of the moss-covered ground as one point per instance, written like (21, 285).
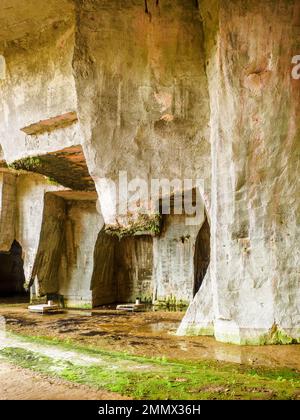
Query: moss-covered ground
(153, 378)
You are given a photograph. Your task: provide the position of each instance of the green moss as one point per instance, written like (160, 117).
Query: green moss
(27, 359)
(30, 164)
(147, 299)
(171, 301)
(51, 181)
(144, 224)
(197, 331)
(160, 378)
(77, 305)
(277, 336)
(38, 300)
(274, 336)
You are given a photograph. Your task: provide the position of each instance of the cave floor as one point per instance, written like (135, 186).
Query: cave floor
(139, 341)
(17, 383)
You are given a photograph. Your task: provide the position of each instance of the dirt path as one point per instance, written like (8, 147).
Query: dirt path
(21, 384)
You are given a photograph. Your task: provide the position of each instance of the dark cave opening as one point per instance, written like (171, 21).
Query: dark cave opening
(122, 269)
(202, 255)
(12, 276)
(133, 267)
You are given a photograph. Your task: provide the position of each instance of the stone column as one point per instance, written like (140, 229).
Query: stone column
(7, 209)
(255, 141)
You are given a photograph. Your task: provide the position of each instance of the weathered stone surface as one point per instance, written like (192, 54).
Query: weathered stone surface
(60, 121)
(8, 211)
(82, 225)
(66, 167)
(36, 40)
(199, 318)
(64, 259)
(142, 92)
(126, 269)
(20, 20)
(255, 152)
(29, 199)
(166, 92)
(133, 269)
(51, 245)
(103, 284)
(173, 258)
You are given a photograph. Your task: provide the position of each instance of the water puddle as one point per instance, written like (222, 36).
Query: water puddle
(150, 334)
(167, 327)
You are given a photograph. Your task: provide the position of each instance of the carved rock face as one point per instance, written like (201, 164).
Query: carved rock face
(142, 92)
(255, 149)
(165, 90)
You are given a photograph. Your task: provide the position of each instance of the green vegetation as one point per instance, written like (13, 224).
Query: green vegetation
(51, 181)
(27, 164)
(144, 224)
(277, 336)
(78, 305)
(196, 331)
(171, 302)
(274, 336)
(155, 378)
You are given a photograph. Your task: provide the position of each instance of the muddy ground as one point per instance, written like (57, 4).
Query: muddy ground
(144, 334)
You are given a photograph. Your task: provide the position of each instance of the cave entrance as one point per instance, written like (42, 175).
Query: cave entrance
(133, 264)
(201, 255)
(122, 270)
(12, 276)
(182, 249)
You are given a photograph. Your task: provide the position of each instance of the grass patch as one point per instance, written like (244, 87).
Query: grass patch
(155, 378)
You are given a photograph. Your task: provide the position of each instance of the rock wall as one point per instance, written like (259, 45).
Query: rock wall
(255, 152)
(103, 284)
(82, 224)
(153, 269)
(142, 92)
(200, 317)
(174, 251)
(64, 263)
(179, 89)
(29, 199)
(8, 210)
(57, 232)
(51, 245)
(38, 83)
(133, 268)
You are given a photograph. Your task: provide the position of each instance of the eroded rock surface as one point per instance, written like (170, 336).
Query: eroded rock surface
(176, 89)
(142, 92)
(255, 153)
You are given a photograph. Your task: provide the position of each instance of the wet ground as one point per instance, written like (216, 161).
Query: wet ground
(144, 334)
(41, 360)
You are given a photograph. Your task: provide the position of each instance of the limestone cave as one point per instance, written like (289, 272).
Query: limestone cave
(150, 199)
(12, 277)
